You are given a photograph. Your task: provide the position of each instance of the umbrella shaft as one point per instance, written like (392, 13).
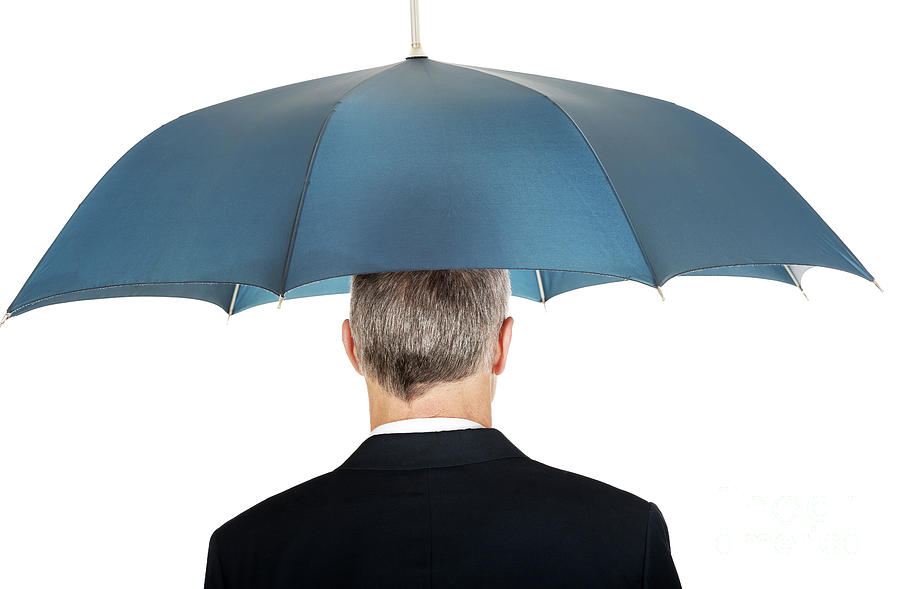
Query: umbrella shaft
(416, 50)
(414, 22)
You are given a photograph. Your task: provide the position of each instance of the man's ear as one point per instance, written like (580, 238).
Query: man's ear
(349, 345)
(502, 349)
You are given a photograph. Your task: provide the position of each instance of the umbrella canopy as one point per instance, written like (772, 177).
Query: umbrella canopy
(427, 165)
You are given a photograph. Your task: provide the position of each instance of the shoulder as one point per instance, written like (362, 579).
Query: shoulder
(585, 491)
(582, 481)
(617, 519)
(278, 510)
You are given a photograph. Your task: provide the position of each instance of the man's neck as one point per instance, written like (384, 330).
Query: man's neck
(466, 399)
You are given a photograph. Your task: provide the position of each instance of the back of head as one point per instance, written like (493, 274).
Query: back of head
(415, 329)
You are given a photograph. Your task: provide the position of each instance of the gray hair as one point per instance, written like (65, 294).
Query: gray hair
(414, 329)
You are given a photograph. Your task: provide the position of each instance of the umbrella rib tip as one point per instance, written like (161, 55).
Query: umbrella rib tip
(661, 295)
(878, 286)
(4, 318)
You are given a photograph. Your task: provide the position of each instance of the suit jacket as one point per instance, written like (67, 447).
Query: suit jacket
(462, 508)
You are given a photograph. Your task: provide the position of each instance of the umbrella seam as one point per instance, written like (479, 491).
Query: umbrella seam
(609, 181)
(15, 311)
(624, 278)
(289, 257)
(683, 272)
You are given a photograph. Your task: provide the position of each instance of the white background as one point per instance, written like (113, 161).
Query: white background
(764, 426)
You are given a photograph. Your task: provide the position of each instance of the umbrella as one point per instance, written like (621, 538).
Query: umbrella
(421, 165)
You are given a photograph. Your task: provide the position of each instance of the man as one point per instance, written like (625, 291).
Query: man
(435, 497)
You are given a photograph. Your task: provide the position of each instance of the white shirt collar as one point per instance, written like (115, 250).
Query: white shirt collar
(424, 424)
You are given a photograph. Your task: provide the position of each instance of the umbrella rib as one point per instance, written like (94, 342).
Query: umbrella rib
(233, 299)
(541, 288)
(794, 278)
(612, 186)
(309, 166)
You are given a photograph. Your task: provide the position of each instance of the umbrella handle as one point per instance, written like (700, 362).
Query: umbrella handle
(416, 50)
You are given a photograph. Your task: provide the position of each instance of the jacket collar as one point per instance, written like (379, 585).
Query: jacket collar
(431, 450)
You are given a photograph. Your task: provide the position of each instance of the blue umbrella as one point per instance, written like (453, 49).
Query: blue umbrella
(426, 165)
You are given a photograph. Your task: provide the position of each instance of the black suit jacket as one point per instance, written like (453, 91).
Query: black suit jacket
(460, 508)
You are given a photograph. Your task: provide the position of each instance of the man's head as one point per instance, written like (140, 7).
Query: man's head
(410, 331)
